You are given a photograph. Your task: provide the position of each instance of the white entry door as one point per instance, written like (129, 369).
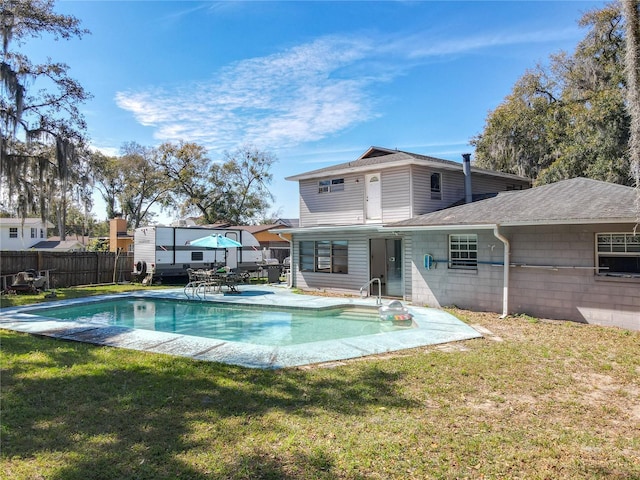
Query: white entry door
(373, 194)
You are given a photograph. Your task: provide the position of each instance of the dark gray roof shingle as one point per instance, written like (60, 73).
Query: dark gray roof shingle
(578, 200)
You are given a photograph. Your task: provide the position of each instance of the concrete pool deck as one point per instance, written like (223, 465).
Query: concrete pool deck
(431, 326)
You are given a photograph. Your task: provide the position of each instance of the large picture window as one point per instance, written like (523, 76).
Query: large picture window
(324, 256)
(618, 254)
(463, 251)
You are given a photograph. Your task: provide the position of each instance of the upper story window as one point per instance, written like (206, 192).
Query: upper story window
(618, 254)
(463, 251)
(333, 185)
(436, 186)
(34, 233)
(13, 232)
(42, 233)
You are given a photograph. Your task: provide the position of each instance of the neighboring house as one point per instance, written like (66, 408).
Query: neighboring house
(571, 246)
(119, 239)
(342, 243)
(54, 245)
(267, 236)
(22, 234)
(288, 222)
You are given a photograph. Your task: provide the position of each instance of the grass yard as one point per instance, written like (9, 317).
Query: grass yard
(20, 299)
(535, 400)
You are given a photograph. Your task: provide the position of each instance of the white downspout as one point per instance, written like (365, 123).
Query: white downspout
(505, 280)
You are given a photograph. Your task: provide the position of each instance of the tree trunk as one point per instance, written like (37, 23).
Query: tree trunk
(631, 10)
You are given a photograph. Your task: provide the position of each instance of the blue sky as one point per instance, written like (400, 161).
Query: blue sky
(315, 83)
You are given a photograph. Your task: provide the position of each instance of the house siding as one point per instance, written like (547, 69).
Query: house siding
(332, 208)
(422, 201)
(399, 185)
(358, 252)
(452, 188)
(358, 266)
(396, 194)
(570, 293)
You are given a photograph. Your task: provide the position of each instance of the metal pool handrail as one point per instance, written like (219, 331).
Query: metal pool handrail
(379, 299)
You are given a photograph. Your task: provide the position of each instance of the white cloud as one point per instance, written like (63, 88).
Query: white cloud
(421, 47)
(306, 93)
(278, 100)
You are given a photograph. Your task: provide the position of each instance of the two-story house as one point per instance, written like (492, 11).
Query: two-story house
(342, 243)
(441, 233)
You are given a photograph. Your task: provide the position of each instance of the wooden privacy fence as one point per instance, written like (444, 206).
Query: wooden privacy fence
(68, 269)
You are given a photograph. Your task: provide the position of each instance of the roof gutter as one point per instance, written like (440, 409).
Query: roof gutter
(528, 223)
(330, 229)
(507, 262)
(422, 228)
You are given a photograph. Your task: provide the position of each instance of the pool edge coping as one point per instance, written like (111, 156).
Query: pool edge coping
(427, 331)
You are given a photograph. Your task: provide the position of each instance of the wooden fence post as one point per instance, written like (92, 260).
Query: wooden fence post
(97, 254)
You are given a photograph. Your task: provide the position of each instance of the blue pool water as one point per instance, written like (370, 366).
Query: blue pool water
(248, 324)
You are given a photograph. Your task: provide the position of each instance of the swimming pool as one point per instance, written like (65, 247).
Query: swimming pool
(430, 326)
(260, 325)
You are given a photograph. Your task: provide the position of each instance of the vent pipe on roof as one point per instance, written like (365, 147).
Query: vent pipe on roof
(466, 168)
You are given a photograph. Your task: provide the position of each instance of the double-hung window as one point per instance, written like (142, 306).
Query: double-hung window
(324, 256)
(13, 232)
(618, 254)
(463, 251)
(333, 185)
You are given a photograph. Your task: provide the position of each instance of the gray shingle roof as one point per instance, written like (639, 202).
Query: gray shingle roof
(578, 200)
(378, 156)
(58, 245)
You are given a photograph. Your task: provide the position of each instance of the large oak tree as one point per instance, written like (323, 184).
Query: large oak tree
(232, 190)
(570, 118)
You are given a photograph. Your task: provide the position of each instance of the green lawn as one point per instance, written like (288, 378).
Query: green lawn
(67, 293)
(551, 400)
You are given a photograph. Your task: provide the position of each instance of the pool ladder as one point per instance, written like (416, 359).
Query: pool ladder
(370, 282)
(196, 288)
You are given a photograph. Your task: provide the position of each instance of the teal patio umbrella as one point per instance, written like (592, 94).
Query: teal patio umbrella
(215, 241)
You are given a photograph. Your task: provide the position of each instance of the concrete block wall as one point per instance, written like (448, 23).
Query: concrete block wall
(441, 286)
(570, 291)
(573, 291)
